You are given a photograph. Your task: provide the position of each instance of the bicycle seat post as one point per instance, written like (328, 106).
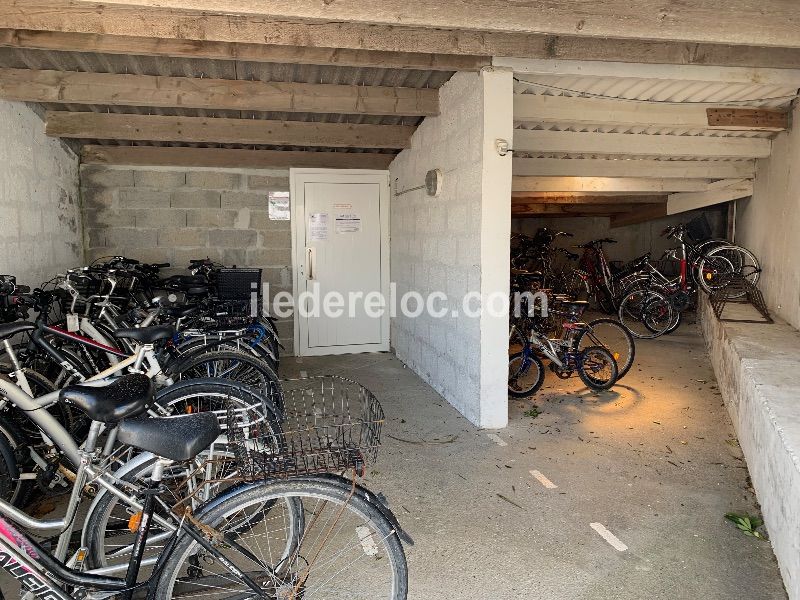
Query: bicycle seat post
(140, 542)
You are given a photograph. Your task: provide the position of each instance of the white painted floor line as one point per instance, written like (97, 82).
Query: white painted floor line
(303, 375)
(497, 439)
(543, 480)
(608, 536)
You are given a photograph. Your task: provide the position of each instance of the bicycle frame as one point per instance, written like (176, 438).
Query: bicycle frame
(39, 572)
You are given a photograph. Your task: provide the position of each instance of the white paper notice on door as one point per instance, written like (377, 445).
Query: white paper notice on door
(318, 227)
(348, 222)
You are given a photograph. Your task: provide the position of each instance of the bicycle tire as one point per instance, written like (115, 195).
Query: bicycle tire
(747, 265)
(618, 352)
(516, 365)
(16, 492)
(634, 309)
(597, 353)
(377, 536)
(226, 364)
(189, 396)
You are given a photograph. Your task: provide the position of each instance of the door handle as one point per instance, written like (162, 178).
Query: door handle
(309, 263)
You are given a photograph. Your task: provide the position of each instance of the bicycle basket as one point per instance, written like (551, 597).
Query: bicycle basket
(238, 284)
(330, 424)
(699, 229)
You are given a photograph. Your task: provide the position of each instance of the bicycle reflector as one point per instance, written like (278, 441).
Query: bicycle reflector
(134, 521)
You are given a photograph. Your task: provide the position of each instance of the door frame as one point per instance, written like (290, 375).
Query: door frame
(300, 176)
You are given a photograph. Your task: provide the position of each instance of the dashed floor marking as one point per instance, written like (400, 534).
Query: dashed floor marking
(497, 439)
(543, 480)
(608, 536)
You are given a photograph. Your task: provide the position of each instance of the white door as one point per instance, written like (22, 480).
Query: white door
(341, 257)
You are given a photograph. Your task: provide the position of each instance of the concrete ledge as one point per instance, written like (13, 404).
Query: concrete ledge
(758, 371)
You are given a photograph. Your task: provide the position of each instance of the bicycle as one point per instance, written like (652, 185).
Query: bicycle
(594, 365)
(223, 543)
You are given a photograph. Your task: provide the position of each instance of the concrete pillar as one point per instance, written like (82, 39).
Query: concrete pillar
(495, 228)
(457, 243)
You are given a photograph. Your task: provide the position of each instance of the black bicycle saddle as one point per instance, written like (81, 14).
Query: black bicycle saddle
(178, 438)
(111, 402)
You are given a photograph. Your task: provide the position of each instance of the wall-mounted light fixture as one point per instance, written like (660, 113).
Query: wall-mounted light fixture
(433, 182)
(502, 147)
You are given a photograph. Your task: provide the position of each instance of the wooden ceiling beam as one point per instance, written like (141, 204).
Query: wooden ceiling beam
(64, 16)
(70, 87)
(748, 118)
(640, 215)
(674, 146)
(717, 193)
(553, 198)
(768, 75)
(229, 158)
(768, 23)
(607, 185)
(598, 167)
(114, 126)
(536, 108)
(216, 50)
(578, 210)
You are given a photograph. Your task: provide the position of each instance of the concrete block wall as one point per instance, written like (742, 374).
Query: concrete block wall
(41, 234)
(768, 223)
(174, 215)
(457, 243)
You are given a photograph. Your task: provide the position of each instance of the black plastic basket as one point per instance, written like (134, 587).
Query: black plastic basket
(699, 229)
(330, 425)
(238, 283)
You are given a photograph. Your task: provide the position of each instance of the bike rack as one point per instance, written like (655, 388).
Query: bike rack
(739, 290)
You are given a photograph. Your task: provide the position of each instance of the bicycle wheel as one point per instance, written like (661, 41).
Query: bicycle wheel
(108, 537)
(106, 531)
(645, 313)
(597, 368)
(614, 337)
(15, 458)
(348, 549)
(525, 375)
(576, 285)
(237, 366)
(714, 271)
(742, 261)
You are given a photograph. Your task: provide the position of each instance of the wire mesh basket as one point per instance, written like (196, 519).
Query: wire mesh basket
(699, 229)
(330, 424)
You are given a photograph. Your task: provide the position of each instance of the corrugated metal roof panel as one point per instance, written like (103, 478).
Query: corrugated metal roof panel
(601, 128)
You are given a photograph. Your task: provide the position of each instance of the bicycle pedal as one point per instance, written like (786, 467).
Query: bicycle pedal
(77, 560)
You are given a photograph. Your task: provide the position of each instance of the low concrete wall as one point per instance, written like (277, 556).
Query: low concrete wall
(757, 369)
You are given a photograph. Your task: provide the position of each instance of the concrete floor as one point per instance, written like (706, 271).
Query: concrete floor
(654, 460)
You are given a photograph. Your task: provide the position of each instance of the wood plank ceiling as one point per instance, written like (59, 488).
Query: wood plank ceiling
(139, 100)
(159, 85)
(685, 136)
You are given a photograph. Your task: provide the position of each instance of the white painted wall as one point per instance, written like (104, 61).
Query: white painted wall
(41, 232)
(769, 223)
(457, 243)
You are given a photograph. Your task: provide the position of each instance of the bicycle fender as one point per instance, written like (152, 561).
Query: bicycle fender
(346, 485)
(376, 500)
